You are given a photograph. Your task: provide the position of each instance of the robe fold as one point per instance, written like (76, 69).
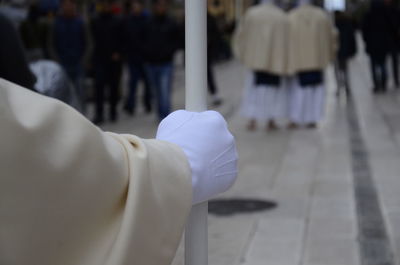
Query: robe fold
(71, 194)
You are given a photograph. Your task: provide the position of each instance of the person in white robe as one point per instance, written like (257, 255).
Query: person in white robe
(260, 43)
(312, 47)
(71, 194)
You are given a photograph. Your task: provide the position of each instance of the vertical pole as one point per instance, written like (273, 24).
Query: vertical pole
(238, 10)
(196, 235)
(196, 54)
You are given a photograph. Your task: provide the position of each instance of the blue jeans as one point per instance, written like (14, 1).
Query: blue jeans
(379, 72)
(160, 79)
(137, 73)
(75, 73)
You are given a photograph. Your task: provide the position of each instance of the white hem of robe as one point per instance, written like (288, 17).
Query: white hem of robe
(306, 103)
(264, 103)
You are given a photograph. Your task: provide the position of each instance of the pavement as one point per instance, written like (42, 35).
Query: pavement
(336, 187)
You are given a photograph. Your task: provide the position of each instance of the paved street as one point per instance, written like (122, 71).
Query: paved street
(336, 188)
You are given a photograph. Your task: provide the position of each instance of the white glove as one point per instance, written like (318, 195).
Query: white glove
(209, 146)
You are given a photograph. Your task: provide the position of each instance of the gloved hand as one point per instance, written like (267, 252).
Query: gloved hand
(209, 146)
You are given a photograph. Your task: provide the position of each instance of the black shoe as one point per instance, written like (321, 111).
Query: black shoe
(216, 101)
(113, 117)
(147, 107)
(311, 125)
(348, 92)
(98, 120)
(129, 110)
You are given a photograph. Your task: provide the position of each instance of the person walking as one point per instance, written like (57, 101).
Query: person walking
(260, 43)
(312, 47)
(347, 49)
(134, 33)
(106, 30)
(376, 35)
(393, 19)
(14, 65)
(213, 39)
(161, 42)
(35, 34)
(69, 41)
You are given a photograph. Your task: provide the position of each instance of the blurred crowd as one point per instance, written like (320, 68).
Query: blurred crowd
(379, 25)
(96, 41)
(92, 43)
(381, 33)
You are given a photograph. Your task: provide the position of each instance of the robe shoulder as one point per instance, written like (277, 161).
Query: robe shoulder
(312, 41)
(260, 41)
(71, 194)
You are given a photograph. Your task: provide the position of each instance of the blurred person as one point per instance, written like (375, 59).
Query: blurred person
(213, 36)
(52, 81)
(69, 41)
(116, 8)
(393, 18)
(35, 34)
(14, 11)
(347, 49)
(106, 30)
(312, 47)
(376, 34)
(161, 42)
(134, 34)
(13, 63)
(72, 194)
(260, 43)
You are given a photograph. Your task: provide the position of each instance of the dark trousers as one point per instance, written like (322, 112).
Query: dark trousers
(342, 76)
(379, 72)
(107, 79)
(160, 79)
(212, 88)
(136, 74)
(395, 67)
(75, 74)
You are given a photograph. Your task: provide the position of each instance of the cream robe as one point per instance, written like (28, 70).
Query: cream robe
(312, 39)
(71, 194)
(261, 39)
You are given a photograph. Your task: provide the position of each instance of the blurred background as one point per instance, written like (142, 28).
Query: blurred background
(322, 192)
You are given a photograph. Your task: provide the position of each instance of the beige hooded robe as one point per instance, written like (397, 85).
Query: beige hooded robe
(71, 194)
(312, 39)
(261, 39)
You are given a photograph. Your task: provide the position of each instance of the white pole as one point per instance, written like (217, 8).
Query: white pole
(196, 235)
(196, 55)
(238, 10)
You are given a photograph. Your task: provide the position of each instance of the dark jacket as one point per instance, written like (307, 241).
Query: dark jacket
(69, 40)
(107, 37)
(393, 19)
(375, 30)
(213, 37)
(161, 40)
(134, 32)
(347, 39)
(13, 64)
